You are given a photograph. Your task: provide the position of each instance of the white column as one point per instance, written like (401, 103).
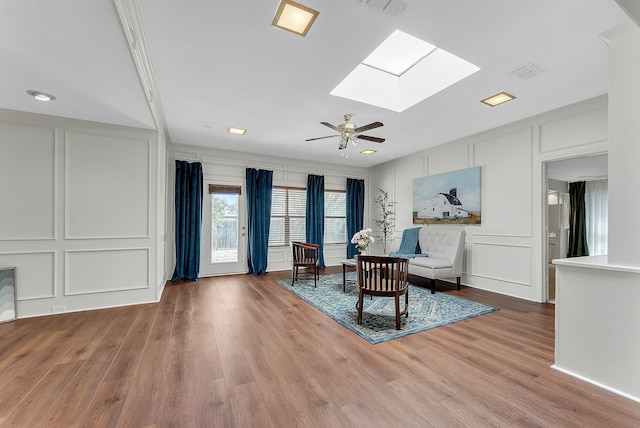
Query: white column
(598, 297)
(624, 145)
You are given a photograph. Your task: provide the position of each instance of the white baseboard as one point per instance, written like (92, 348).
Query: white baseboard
(598, 384)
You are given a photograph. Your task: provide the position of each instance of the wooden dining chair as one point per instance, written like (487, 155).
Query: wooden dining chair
(384, 277)
(304, 255)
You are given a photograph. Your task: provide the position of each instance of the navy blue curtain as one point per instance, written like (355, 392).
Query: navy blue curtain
(355, 212)
(314, 221)
(259, 185)
(188, 206)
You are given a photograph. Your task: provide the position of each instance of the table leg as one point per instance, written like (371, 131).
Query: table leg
(344, 277)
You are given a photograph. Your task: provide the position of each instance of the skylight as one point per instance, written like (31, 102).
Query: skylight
(398, 53)
(402, 72)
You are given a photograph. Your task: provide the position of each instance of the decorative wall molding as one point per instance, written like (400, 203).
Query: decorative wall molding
(125, 268)
(32, 271)
(29, 183)
(502, 262)
(102, 202)
(233, 161)
(588, 127)
(37, 242)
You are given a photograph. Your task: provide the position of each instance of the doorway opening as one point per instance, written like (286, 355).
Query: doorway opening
(223, 231)
(224, 227)
(557, 231)
(592, 169)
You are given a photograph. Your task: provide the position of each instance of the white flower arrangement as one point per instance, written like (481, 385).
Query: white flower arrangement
(362, 239)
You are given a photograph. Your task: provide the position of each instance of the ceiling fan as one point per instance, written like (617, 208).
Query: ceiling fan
(348, 132)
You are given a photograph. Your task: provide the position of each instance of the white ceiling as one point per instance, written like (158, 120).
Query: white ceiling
(221, 62)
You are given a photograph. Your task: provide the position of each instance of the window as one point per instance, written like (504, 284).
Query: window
(335, 217)
(288, 212)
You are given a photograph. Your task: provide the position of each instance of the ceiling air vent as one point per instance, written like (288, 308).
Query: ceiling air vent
(526, 71)
(390, 7)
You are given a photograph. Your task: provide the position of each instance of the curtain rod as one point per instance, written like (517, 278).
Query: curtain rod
(262, 167)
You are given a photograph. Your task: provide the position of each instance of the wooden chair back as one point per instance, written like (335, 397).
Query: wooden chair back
(382, 275)
(305, 255)
(385, 277)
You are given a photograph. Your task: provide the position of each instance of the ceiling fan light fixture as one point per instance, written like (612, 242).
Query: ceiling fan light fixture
(368, 152)
(350, 133)
(344, 140)
(498, 99)
(294, 17)
(236, 131)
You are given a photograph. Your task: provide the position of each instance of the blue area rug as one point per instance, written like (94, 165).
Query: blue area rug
(426, 310)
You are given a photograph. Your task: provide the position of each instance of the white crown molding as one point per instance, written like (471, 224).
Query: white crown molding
(131, 24)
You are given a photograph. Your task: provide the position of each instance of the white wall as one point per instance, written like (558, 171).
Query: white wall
(79, 219)
(163, 260)
(624, 66)
(604, 349)
(507, 252)
(228, 167)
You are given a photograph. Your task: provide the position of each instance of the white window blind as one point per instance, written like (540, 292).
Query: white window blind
(288, 212)
(335, 217)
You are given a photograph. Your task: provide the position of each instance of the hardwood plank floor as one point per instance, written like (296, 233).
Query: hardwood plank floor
(242, 351)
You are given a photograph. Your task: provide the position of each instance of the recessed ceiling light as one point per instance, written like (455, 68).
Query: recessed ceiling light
(294, 17)
(41, 96)
(498, 99)
(368, 152)
(237, 131)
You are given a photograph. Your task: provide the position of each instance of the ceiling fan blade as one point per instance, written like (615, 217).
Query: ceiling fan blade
(320, 138)
(369, 126)
(368, 138)
(335, 128)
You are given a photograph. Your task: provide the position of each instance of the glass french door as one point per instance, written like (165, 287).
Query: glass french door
(223, 243)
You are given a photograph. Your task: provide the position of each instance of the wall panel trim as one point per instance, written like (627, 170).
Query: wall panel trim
(67, 285)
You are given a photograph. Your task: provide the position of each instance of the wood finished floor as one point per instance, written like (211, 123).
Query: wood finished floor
(242, 351)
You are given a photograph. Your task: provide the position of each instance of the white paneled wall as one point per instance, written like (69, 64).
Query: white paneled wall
(507, 252)
(100, 203)
(515, 266)
(451, 159)
(80, 213)
(386, 181)
(28, 167)
(38, 280)
(506, 199)
(113, 269)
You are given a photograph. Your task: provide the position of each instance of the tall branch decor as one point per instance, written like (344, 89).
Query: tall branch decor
(386, 221)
